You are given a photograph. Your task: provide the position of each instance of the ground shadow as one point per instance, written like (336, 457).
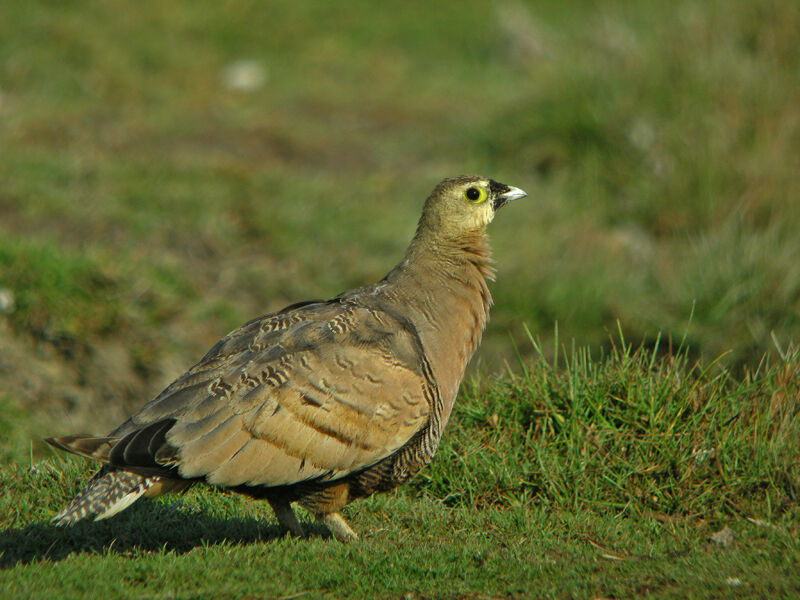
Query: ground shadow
(147, 527)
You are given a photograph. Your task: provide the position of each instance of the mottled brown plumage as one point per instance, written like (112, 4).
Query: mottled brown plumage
(322, 402)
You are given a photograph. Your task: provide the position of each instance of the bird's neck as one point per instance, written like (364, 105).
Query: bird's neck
(441, 286)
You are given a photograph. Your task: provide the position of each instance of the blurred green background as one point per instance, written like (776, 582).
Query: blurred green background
(171, 169)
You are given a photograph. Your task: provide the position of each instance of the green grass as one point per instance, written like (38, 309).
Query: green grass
(59, 296)
(604, 477)
(627, 433)
(146, 208)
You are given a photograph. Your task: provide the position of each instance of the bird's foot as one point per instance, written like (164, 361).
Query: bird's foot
(339, 527)
(289, 524)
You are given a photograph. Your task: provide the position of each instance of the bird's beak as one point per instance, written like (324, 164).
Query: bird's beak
(507, 194)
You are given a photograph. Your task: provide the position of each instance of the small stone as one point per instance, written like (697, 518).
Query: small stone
(244, 75)
(723, 537)
(7, 304)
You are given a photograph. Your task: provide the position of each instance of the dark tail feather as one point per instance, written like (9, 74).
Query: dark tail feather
(90, 446)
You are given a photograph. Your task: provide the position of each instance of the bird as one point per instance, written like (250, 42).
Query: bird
(324, 401)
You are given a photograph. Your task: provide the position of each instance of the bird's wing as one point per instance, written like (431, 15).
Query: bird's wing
(316, 392)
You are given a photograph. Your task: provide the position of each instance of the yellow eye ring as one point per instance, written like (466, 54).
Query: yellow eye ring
(475, 194)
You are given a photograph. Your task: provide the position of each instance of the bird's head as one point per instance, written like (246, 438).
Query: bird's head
(465, 204)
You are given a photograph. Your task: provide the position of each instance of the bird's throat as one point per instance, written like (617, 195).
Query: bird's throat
(442, 287)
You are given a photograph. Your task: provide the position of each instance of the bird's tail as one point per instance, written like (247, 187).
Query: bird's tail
(107, 493)
(111, 489)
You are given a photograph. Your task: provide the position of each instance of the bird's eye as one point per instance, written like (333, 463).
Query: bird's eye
(475, 195)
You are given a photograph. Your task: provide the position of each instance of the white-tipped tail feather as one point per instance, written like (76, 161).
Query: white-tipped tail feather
(121, 504)
(106, 494)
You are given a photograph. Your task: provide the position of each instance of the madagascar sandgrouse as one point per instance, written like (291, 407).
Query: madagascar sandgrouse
(322, 402)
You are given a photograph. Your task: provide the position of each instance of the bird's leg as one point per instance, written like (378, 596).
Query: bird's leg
(286, 519)
(338, 526)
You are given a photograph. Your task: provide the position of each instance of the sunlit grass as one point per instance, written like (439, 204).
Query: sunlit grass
(619, 467)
